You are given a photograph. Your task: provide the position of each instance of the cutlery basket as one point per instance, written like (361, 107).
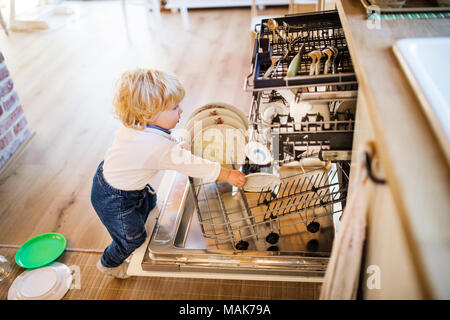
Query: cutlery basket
(315, 31)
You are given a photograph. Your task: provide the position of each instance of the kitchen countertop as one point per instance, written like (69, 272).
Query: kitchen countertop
(414, 163)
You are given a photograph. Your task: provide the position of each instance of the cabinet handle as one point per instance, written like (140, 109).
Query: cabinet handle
(368, 164)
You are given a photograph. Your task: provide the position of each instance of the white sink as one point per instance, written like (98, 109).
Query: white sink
(426, 62)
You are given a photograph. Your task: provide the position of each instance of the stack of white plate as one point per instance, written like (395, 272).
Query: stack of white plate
(47, 283)
(218, 132)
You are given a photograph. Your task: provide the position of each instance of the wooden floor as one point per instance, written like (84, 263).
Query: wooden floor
(65, 78)
(95, 286)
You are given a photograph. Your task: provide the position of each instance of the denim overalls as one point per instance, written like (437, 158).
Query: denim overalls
(124, 214)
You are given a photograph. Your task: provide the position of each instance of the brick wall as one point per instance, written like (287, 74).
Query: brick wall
(13, 125)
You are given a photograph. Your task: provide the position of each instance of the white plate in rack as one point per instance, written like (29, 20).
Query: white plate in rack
(261, 182)
(221, 143)
(214, 113)
(208, 121)
(258, 153)
(218, 106)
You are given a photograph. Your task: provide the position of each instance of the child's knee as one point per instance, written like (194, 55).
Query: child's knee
(136, 243)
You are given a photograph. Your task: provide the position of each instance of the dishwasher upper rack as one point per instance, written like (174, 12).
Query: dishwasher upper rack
(337, 118)
(231, 216)
(292, 141)
(315, 31)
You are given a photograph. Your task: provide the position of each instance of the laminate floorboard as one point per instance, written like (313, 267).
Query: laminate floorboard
(93, 285)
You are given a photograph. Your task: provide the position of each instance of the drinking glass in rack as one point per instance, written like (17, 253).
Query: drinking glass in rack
(5, 268)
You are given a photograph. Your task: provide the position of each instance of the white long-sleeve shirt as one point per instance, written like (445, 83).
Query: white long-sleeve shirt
(136, 156)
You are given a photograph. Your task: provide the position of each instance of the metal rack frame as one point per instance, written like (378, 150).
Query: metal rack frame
(229, 215)
(334, 135)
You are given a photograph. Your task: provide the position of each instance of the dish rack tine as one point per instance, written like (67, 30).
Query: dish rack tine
(268, 212)
(328, 192)
(273, 212)
(259, 197)
(291, 200)
(222, 206)
(308, 183)
(284, 190)
(322, 195)
(303, 186)
(265, 197)
(298, 182)
(307, 200)
(299, 204)
(248, 211)
(194, 195)
(290, 189)
(280, 203)
(209, 210)
(313, 183)
(320, 180)
(267, 193)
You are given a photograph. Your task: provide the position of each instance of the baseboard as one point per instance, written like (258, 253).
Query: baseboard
(16, 154)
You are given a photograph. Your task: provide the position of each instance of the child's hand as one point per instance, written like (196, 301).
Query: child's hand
(233, 177)
(185, 145)
(236, 178)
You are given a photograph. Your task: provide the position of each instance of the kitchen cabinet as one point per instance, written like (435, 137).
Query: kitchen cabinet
(413, 162)
(388, 268)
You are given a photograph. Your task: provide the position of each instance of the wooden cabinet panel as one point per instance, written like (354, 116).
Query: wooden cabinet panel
(388, 270)
(416, 166)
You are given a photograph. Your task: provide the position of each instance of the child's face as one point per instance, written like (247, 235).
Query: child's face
(168, 119)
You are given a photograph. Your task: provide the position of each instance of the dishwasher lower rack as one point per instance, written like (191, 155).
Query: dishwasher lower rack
(273, 219)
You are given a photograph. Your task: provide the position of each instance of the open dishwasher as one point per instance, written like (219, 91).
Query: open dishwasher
(284, 232)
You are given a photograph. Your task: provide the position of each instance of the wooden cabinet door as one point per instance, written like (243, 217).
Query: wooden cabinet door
(388, 270)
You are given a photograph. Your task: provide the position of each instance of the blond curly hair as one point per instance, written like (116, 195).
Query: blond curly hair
(143, 93)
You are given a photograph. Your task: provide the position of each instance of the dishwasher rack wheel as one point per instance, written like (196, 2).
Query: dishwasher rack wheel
(312, 245)
(242, 245)
(313, 227)
(272, 238)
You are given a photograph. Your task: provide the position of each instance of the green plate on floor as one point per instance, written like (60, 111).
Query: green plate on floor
(40, 250)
